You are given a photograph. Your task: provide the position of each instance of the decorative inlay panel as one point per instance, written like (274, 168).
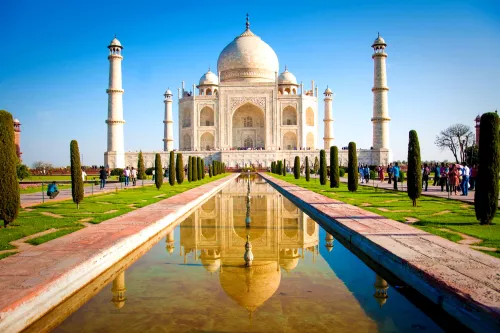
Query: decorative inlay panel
(238, 101)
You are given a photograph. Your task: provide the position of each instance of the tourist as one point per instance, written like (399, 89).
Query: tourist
(84, 175)
(395, 172)
(361, 172)
(473, 177)
(367, 173)
(437, 174)
(103, 175)
(425, 177)
(381, 173)
(465, 180)
(453, 180)
(133, 175)
(52, 190)
(443, 171)
(126, 173)
(389, 173)
(153, 175)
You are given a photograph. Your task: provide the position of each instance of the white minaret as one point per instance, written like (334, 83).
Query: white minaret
(328, 121)
(380, 104)
(168, 138)
(116, 151)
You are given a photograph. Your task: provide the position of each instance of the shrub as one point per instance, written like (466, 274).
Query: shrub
(190, 169)
(352, 168)
(158, 171)
(373, 174)
(308, 170)
(179, 172)
(341, 172)
(486, 196)
(296, 167)
(195, 168)
(171, 169)
(117, 172)
(10, 199)
(322, 167)
(199, 168)
(401, 176)
(22, 171)
(76, 174)
(141, 172)
(334, 167)
(414, 179)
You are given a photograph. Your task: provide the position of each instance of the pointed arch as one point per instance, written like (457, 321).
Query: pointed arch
(207, 116)
(289, 115)
(207, 141)
(309, 116)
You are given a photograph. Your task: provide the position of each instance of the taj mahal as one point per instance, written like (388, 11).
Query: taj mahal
(248, 113)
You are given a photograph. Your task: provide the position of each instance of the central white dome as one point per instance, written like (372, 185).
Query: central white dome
(248, 58)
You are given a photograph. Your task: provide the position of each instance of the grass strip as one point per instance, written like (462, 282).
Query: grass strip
(96, 207)
(432, 213)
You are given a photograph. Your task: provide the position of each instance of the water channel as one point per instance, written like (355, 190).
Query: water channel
(195, 279)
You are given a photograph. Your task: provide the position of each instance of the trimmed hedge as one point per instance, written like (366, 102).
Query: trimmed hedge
(352, 168)
(296, 167)
(171, 169)
(158, 171)
(308, 169)
(322, 167)
(179, 172)
(334, 167)
(10, 199)
(76, 174)
(486, 196)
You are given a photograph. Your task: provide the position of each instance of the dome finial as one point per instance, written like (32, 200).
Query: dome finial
(286, 68)
(378, 34)
(248, 23)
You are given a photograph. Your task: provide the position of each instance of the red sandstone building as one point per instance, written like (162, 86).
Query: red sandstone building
(17, 137)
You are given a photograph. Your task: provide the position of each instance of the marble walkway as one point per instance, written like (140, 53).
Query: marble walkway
(34, 281)
(464, 282)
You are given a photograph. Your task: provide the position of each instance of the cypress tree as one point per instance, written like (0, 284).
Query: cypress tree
(224, 167)
(279, 167)
(203, 168)
(210, 170)
(352, 168)
(10, 199)
(199, 167)
(190, 169)
(195, 168)
(414, 173)
(308, 171)
(76, 174)
(179, 174)
(171, 169)
(322, 167)
(283, 169)
(158, 171)
(214, 172)
(486, 196)
(272, 167)
(141, 170)
(334, 167)
(296, 167)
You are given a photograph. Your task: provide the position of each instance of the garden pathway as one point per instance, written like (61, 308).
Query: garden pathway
(31, 199)
(433, 191)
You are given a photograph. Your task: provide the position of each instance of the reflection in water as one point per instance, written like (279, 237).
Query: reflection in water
(329, 242)
(249, 271)
(381, 287)
(119, 290)
(170, 242)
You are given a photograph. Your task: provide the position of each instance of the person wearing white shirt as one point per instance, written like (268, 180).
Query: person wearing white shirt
(84, 175)
(465, 180)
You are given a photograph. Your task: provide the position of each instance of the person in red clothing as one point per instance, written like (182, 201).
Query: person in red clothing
(473, 177)
(381, 173)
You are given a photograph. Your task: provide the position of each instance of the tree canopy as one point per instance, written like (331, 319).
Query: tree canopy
(457, 138)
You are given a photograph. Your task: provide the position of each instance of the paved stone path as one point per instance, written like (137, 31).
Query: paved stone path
(433, 191)
(31, 199)
(34, 281)
(464, 282)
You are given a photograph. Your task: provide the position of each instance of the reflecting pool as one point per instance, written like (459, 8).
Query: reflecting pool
(195, 279)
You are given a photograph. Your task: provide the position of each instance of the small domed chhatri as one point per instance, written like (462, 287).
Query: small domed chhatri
(379, 41)
(209, 78)
(287, 77)
(116, 42)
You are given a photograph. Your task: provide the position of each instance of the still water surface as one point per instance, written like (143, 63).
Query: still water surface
(300, 280)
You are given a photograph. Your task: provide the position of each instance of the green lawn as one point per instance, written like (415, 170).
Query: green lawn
(61, 177)
(432, 213)
(94, 209)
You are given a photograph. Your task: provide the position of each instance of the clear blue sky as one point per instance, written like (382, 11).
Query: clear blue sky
(443, 65)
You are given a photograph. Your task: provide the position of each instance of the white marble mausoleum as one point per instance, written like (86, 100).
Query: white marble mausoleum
(248, 113)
